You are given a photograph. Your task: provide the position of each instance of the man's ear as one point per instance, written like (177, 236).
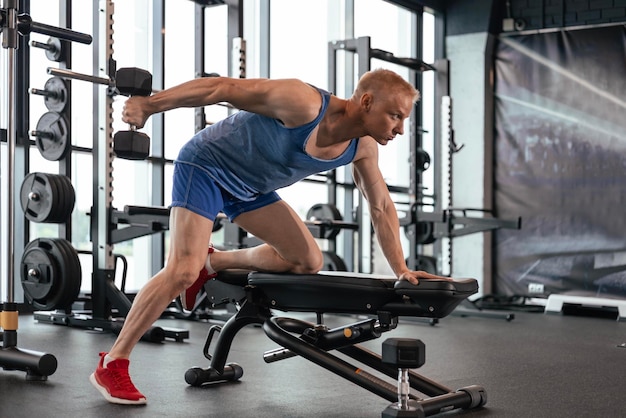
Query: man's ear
(366, 101)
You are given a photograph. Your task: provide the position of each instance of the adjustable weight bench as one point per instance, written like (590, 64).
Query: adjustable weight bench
(382, 299)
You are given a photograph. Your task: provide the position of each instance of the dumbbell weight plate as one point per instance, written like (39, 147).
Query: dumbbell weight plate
(53, 149)
(131, 145)
(56, 85)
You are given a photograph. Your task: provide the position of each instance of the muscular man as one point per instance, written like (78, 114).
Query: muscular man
(286, 130)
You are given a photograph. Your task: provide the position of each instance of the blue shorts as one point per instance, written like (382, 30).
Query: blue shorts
(195, 190)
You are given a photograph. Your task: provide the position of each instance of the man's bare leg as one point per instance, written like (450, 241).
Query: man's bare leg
(190, 234)
(189, 240)
(290, 246)
(293, 249)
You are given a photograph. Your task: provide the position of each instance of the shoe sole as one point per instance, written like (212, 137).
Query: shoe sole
(181, 299)
(108, 397)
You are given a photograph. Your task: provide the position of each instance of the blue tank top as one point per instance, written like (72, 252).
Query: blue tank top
(248, 154)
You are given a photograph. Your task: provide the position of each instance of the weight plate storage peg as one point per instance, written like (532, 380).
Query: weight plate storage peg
(50, 273)
(47, 198)
(51, 136)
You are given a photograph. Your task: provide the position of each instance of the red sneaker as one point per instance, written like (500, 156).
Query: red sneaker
(188, 296)
(114, 383)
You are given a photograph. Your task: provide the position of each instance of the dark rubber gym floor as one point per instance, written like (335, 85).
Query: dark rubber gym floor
(538, 365)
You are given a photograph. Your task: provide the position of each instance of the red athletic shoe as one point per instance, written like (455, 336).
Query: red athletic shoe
(188, 296)
(114, 383)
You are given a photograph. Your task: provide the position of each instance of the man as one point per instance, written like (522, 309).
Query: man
(285, 131)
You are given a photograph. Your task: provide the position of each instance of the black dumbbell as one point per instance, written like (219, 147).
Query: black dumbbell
(405, 354)
(131, 144)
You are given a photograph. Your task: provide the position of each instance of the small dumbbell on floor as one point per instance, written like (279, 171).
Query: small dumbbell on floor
(405, 354)
(132, 144)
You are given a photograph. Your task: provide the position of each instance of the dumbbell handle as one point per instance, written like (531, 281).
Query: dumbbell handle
(403, 389)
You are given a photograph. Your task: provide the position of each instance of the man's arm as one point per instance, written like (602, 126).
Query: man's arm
(290, 100)
(369, 180)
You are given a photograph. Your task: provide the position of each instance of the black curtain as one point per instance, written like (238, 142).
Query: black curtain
(560, 162)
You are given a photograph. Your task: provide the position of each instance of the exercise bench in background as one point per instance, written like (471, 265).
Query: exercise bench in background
(382, 299)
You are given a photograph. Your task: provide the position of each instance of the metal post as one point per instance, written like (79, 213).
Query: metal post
(38, 366)
(65, 166)
(366, 260)
(10, 43)
(158, 131)
(103, 260)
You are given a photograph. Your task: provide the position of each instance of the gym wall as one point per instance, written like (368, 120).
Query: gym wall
(541, 14)
(560, 146)
(472, 31)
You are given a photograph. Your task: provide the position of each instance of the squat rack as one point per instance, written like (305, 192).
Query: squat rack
(362, 48)
(38, 366)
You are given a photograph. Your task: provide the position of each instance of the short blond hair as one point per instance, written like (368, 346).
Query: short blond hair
(385, 81)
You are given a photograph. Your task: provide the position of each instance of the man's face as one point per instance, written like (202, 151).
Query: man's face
(386, 115)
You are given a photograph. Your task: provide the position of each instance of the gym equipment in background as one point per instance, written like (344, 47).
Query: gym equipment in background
(383, 299)
(37, 365)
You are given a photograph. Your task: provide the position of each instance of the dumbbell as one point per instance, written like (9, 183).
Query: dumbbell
(405, 354)
(131, 144)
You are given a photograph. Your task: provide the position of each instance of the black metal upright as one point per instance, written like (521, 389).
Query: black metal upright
(65, 164)
(362, 48)
(109, 304)
(103, 261)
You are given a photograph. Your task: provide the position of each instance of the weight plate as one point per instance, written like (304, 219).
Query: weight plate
(41, 288)
(323, 212)
(425, 232)
(72, 274)
(47, 198)
(56, 199)
(51, 273)
(69, 197)
(332, 262)
(63, 200)
(36, 197)
(427, 264)
(55, 124)
(39, 271)
(422, 160)
(57, 100)
(56, 52)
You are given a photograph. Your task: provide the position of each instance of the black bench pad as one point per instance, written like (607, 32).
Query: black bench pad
(341, 292)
